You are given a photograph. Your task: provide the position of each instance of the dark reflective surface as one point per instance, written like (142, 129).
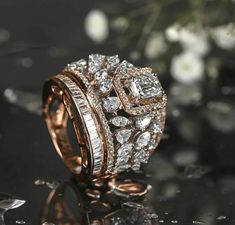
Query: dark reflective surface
(192, 174)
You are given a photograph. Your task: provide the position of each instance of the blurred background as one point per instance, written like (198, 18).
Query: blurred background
(190, 44)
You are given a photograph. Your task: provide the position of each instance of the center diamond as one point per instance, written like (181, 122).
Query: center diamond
(145, 86)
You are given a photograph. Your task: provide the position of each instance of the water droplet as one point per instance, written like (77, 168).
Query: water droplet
(53, 185)
(174, 221)
(7, 204)
(161, 221)
(39, 182)
(48, 223)
(20, 222)
(197, 222)
(221, 218)
(10, 95)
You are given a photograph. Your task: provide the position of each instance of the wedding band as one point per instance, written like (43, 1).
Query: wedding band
(117, 111)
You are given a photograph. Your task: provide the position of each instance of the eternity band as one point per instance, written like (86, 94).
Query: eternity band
(117, 111)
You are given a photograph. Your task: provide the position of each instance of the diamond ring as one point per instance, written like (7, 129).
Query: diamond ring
(117, 111)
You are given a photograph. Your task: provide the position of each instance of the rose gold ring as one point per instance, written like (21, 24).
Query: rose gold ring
(117, 111)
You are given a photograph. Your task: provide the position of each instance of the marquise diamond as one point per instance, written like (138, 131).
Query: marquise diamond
(123, 155)
(120, 121)
(143, 140)
(79, 65)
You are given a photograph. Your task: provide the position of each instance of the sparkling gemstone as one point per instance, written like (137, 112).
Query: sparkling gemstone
(142, 156)
(105, 86)
(120, 121)
(123, 155)
(124, 66)
(78, 65)
(145, 86)
(123, 135)
(111, 104)
(136, 165)
(95, 62)
(142, 122)
(152, 144)
(143, 139)
(112, 62)
(156, 128)
(124, 152)
(101, 75)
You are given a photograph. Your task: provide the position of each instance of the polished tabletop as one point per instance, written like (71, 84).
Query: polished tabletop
(191, 176)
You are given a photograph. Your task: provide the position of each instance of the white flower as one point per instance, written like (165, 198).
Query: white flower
(195, 42)
(96, 25)
(187, 68)
(155, 46)
(224, 36)
(172, 33)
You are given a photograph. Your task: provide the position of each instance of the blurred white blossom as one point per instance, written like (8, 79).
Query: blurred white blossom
(224, 36)
(155, 46)
(4, 35)
(172, 33)
(194, 41)
(184, 94)
(221, 115)
(96, 25)
(187, 68)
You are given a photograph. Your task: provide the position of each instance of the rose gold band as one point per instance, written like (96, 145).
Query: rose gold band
(73, 104)
(117, 125)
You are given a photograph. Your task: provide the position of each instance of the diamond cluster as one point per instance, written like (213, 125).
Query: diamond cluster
(133, 119)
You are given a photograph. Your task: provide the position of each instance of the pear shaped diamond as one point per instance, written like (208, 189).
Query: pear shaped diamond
(101, 75)
(105, 86)
(123, 135)
(79, 65)
(111, 104)
(142, 122)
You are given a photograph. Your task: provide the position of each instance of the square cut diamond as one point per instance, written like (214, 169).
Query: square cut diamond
(145, 86)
